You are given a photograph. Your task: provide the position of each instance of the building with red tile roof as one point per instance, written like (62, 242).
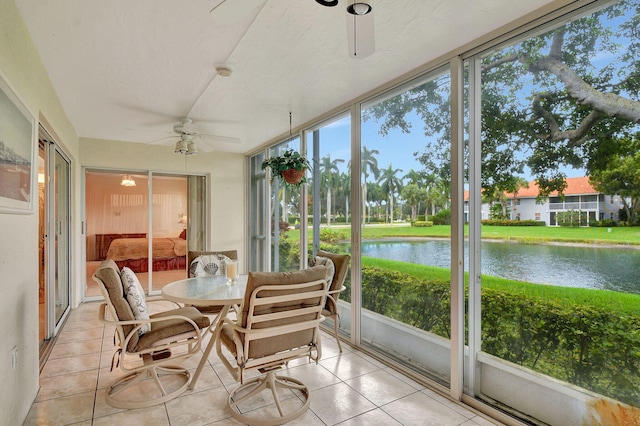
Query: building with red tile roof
(579, 195)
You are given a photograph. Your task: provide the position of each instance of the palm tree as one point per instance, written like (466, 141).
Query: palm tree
(390, 185)
(328, 175)
(369, 164)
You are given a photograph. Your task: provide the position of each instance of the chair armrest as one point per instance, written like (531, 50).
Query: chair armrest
(139, 323)
(340, 290)
(332, 298)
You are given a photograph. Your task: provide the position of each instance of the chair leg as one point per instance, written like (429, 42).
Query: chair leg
(176, 384)
(336, 322)
(272, 382)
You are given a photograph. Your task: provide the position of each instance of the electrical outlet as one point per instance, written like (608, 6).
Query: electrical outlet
(14, 357)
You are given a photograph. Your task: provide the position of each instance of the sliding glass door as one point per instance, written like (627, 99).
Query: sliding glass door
(144, 221)
(54, 187)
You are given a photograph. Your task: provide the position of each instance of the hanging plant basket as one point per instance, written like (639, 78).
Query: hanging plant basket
(293, 176)
(289, 167)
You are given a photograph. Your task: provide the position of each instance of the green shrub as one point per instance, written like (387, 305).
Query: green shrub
(604, 223)
(329, 235)
(421, 218)
(508, 222)
(421, 224)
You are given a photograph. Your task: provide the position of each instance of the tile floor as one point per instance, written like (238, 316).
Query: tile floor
(347, 389)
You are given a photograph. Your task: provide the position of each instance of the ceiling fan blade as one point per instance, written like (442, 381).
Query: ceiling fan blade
(217, 138)
(360, 35)
(168, 141)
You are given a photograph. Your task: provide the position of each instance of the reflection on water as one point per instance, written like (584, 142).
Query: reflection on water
(589, 267)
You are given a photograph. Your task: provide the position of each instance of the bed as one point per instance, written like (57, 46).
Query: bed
(168, 253)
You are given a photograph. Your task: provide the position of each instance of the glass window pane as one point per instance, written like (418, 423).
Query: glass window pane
(285, 211)
(559, 180)
(406, 225)
(329, 200)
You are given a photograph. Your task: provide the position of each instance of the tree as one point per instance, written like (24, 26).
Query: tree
(390, 184)
(618, 172)
(413, 195)
(547, 102)
(328, 176)
(369, 164)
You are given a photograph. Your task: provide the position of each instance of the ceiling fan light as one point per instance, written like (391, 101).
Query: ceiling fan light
(329, 3)
(192, 148)
(181, 146)
(359, 7)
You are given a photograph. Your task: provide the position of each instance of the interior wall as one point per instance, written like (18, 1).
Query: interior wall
(21, 68)
(226, 189)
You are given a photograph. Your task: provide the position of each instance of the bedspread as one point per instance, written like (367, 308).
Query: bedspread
(138, 248)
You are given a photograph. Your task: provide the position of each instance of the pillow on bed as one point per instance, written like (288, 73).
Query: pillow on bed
(135, 296)
(207, 265)
(183, 234)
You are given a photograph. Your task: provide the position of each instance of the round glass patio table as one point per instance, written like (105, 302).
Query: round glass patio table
(207, 291)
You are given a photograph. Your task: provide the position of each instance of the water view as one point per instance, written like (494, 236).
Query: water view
(603, 268)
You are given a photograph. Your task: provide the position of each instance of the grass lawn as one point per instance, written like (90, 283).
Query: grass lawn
(523, 234)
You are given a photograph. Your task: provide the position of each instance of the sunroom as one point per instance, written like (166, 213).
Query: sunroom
(522, 332)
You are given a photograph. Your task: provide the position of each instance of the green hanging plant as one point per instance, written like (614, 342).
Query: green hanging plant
(288, 167)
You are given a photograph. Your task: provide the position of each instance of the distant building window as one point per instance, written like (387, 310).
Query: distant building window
(537, 216)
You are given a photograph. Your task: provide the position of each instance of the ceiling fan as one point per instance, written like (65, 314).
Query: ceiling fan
(187, 133)
(360, 32)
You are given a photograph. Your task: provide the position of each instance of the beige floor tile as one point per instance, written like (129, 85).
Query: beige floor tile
(312, 375)
(404, 378)
(64, 350)
(481, 421)
(307, 419)
(208, 379)
(152, 416)
(380, 387)
(373, 417)
(61, 411)
(101, 408)
(419, 409)
(69, 384)
(198, 408)
(348, 365)
(73, 364)
(336, 403)
(80, 335)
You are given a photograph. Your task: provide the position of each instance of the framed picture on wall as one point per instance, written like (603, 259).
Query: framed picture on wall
(18, 166)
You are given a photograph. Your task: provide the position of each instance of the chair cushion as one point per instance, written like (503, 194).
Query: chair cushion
(272, 345)
(165, 330)
(331, 269)
(207, 265)
(136, 298)
(341, 263)
(109, 274)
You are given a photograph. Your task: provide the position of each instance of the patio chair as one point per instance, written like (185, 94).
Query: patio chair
(149, 347)
(203, 263)
(336, 285)
(278, 322)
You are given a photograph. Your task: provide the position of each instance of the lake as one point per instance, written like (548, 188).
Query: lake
(605, 268)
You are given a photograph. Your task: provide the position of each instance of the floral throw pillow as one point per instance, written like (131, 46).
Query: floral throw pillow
(331, 268)
(135, 296)
(207, 265)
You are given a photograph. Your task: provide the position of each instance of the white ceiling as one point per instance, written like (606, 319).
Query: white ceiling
(128, 70)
